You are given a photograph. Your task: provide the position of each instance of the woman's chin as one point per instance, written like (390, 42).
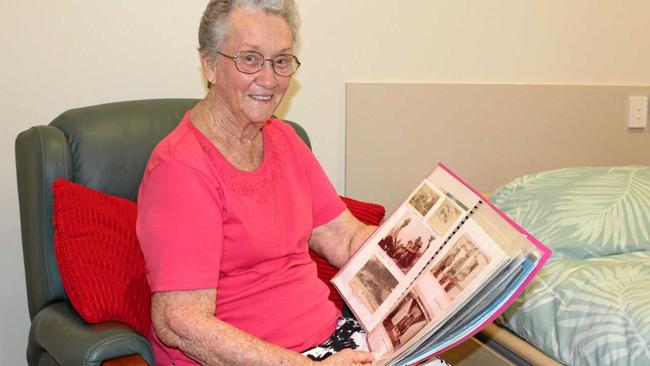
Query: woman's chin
(259, 117)
(260, 112)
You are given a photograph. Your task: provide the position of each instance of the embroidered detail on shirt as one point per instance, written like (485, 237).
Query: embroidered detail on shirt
(258, 185)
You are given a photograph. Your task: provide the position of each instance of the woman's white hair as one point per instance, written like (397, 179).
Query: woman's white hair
(214, 23)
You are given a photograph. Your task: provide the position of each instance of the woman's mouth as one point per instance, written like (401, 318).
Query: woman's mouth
(261, 98)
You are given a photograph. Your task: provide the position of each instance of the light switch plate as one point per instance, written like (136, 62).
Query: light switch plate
(637, 112)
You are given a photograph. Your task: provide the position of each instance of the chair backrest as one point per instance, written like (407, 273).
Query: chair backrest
(104, 147)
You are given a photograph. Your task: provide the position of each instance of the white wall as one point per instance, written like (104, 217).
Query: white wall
(56, 55)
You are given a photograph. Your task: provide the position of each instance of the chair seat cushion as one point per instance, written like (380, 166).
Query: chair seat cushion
(102, 268)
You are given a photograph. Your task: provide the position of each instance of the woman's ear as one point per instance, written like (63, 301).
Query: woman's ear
(207, 63)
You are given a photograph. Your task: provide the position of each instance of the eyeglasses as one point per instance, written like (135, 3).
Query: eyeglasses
(250, 62)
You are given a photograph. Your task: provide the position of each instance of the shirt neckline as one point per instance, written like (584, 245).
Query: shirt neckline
(211, 149)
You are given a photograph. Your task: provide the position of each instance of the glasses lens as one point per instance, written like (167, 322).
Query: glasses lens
(249, 61)
(285, 65)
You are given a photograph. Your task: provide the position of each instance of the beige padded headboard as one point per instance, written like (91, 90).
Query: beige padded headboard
(488, 134)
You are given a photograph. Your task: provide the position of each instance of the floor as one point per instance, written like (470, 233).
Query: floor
(474, 353)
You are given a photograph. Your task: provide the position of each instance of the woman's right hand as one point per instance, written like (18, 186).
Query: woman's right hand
(348, 356)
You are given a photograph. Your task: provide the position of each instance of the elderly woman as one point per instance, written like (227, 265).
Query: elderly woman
(229, 205)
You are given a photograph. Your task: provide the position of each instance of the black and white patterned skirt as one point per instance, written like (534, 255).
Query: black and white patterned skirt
(349, 334)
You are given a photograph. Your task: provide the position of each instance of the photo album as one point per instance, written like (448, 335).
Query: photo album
(444, 265)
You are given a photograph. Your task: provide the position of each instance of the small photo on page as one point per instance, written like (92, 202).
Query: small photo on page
(444, 216)
(408, 318)
(373, 283)
(407, 241)
(424, 198)
(460, 265)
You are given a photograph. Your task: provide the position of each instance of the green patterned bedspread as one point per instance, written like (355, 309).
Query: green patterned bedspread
(590, 304)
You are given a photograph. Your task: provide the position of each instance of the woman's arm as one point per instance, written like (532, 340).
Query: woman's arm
(185, 320)
(338, 239)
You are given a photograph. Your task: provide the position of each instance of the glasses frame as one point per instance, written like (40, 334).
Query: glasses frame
(261, 64)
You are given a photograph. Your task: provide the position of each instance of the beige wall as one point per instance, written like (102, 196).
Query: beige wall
(61, 54)
(504, 131)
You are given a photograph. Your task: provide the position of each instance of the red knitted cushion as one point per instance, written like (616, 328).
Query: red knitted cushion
(368, 213)
(99, 258)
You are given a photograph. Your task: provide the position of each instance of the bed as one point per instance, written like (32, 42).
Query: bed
(590, 304)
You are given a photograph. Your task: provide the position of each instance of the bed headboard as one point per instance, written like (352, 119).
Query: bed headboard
(488, 134)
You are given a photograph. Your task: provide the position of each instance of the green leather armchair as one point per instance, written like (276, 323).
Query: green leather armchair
(104, 147)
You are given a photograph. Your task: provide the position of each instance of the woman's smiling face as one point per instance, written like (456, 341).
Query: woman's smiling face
(251, 97)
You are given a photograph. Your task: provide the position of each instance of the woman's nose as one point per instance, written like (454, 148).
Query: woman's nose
(267, 77)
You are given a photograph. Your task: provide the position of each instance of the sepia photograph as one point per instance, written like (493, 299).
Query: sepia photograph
(424, 198)
(406, 320)
(406, 242)
(373, 283)
(444, 216)
(460, 265)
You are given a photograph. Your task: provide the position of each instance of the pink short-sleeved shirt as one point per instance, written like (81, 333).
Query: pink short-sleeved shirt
(202, 223)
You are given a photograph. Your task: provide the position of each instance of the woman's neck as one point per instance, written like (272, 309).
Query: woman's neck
(239, 141)
(226, 124)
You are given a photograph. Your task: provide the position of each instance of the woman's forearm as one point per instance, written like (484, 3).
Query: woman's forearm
(210, 341)
(223, 344)
(359, 238)
(340, 238)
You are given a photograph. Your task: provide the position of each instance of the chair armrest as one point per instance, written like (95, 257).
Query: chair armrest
(67, 338)
(133, 360)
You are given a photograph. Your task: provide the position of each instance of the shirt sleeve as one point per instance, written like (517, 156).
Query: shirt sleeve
(179, 228)
(326, 203)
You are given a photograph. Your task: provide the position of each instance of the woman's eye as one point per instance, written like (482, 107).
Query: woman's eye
(251, 59)
(282, 61)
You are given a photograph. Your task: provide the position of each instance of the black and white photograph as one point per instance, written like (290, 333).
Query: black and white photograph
(444, 216)
(424, 198)
(373, 283)
(408, 318)
(460, 265)
(407, 241)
